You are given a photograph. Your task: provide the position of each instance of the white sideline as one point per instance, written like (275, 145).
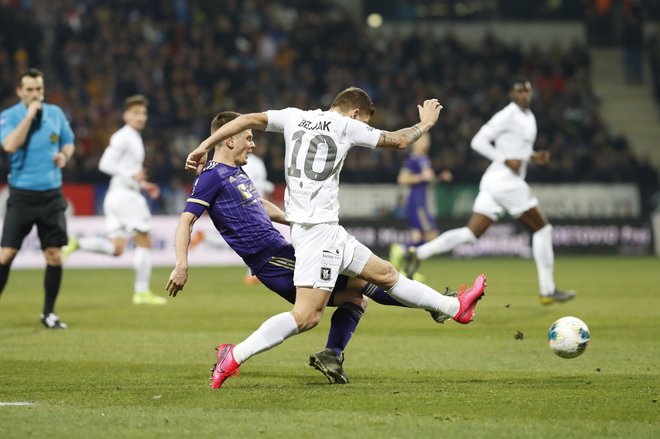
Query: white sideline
(15, 403)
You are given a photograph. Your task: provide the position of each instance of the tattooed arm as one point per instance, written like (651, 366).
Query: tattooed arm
(400, 139)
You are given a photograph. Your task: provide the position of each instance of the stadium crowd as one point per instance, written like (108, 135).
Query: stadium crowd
(194, 58)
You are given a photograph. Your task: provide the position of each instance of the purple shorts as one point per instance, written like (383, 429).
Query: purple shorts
(421, 219)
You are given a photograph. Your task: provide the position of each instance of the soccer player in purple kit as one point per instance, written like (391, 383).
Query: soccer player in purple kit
(244, 220)
(316, 144)
(417, 173)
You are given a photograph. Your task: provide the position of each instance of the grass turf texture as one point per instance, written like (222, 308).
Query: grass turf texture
(138, 371)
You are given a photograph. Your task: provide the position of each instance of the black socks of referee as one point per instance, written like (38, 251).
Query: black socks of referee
(52, 282)
(4, 275)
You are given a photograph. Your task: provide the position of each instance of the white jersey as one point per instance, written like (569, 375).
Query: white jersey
(513, 132)
(316, 145)
(123, 158)
(256, 170)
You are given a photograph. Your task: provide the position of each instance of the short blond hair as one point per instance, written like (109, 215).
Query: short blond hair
(135, 100)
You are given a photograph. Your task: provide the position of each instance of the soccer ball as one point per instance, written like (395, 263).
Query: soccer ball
(568, 337)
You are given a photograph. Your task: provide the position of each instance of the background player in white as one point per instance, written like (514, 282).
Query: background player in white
(507, 139)
(316, 145)
(255, 168)
(126, 211)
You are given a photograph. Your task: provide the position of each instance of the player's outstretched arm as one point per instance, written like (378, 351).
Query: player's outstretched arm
(251, 121)
(179, 275)
(429, 112)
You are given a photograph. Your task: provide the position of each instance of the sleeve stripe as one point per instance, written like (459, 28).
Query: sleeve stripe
(195, 200)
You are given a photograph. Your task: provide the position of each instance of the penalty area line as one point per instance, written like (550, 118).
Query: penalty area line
(17, 403)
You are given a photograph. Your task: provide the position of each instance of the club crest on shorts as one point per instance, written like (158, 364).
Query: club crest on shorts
(326, 273)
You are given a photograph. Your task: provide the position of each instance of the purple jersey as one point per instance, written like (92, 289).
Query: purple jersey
(417, 210)
(236, 210)
(415, 164)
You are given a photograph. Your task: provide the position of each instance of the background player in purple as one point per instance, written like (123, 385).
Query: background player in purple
(417, 173)
(244, 220)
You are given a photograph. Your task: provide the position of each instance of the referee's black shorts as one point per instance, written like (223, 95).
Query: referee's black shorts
(27, 208)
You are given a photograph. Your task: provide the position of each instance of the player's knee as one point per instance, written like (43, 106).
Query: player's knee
(53, 256)
(308, 323)
(307, 320)
(119, 248)
(7, 255)
(383, 275)
(389, 276)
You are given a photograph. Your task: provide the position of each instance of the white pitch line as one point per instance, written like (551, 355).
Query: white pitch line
(15, 403)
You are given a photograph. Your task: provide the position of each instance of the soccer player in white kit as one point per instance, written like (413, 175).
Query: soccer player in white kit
(316, 145)
(126, 211)
(507, 139)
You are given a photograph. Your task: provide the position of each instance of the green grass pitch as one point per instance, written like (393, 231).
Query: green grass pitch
(123, 371)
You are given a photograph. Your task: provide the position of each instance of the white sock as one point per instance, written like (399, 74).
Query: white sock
(544, 257)
(97, 245)
(142, 267)
(271, 333)
(419, 295)
(446, 242)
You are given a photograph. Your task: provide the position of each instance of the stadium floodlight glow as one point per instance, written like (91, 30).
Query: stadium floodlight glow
(374, 20)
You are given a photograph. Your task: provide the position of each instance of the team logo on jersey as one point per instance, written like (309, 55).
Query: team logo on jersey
(326, 273)
(54, 138)
(245, 191)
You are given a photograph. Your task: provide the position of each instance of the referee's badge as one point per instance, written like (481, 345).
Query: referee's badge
(54, 138)
(326, 273)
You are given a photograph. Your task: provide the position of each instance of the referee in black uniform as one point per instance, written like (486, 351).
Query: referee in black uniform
(39, 141)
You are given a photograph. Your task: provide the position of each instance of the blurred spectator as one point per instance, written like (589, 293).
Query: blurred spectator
(194, 58)
(633, 41)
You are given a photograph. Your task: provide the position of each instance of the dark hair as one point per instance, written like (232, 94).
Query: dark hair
(222, 118)
(135, 100)
(32, 73)
(354, 97)
(519, 80)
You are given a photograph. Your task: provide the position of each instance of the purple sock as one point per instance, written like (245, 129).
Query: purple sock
(342, 325)
(378, 295)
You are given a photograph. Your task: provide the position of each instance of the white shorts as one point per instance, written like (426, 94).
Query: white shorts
(323, 252)
(126, 212)
(516, 200)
